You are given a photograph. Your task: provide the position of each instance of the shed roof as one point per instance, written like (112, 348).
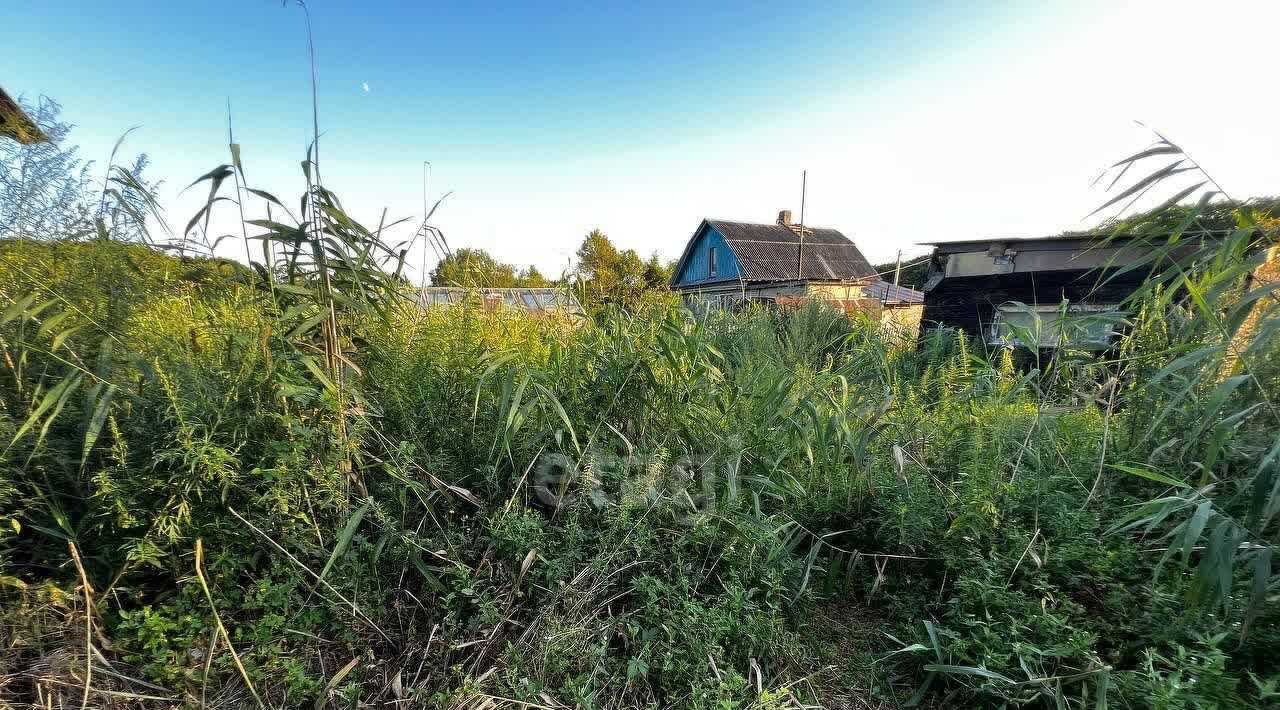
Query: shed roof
(1066, 241)
(16, 124)
(889, 293)
(771, 252)
(528, 298)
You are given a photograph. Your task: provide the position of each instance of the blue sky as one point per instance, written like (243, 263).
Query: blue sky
(916, 121)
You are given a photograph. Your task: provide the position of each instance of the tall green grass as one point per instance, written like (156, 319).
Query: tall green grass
(285, 484)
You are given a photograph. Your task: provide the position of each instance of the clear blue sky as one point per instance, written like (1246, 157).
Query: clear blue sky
(917, 122)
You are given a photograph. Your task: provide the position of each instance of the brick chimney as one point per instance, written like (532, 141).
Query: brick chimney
(784, 218)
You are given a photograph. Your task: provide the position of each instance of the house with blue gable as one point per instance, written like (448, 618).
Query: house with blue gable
(725, 264)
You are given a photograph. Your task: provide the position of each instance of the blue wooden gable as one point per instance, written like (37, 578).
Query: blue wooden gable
(695, 267)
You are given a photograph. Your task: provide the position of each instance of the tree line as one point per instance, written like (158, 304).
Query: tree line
(601, 273)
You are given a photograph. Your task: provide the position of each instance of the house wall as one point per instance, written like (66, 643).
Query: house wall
(904, 318)
(829, 291)
(1017, 259)
(730, 293)
(789, 289)
(771, 291)
(970, 303)
(697, 269)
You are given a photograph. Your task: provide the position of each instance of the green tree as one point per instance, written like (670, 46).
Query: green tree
(597, 268)
(476, 268)
(473, 268)
(530, 277)
(607, 275)
(656, 273)
(631, 281)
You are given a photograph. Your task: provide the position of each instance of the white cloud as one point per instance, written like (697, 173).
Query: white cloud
(365, 86)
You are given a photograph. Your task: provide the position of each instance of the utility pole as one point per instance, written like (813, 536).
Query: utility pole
(804, 180)
(897, 269)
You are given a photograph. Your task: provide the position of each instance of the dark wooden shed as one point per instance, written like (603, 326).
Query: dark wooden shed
(974, 285)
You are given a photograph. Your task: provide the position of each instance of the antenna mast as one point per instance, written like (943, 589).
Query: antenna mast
(804, 179)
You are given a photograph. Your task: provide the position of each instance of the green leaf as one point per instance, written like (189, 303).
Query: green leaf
(933, 639)
(51, 323)
(293, 289)
(564, 416)
(969, 670)
(61, 338)
(808, 569)
(311, 364)
(1160, 149)
(266, 196)
(1258, 590)
(1166, 172)
(218, 174)
(53, 400)
(432, 580)
(1195, 527)
(62, 402)
(344, 539)
(1185, 361)
(913, 648)
(17, 308)
(1180, 195)
(636, 667)
(917, 696)
(100, 396)
(1150, 475)
(307, 325)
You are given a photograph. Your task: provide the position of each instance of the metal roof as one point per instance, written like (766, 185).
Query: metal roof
(889, 293)
(1058, 241)
(530, 299)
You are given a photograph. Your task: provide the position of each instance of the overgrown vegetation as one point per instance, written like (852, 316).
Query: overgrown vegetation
(285, 485)
(603, 274)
